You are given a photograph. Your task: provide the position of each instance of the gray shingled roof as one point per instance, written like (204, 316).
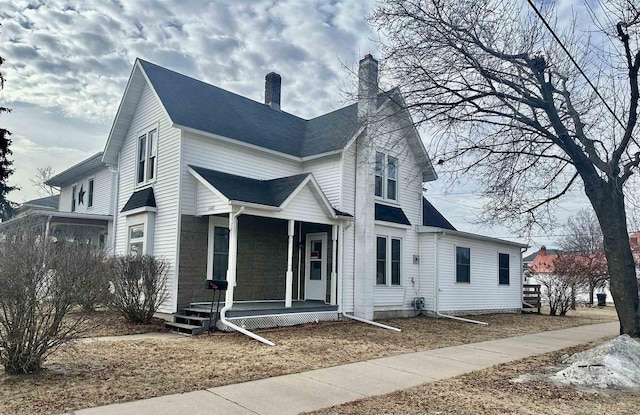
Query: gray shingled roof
(139, 199)
(243, 189)
(432, 217)
(391, 214)
(204, 107)
(46, 202)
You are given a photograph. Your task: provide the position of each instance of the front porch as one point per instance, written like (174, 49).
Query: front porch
(196, 318)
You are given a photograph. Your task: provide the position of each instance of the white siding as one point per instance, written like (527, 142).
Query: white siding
(427, 281)
(229, 158)
(347, 204)
(483, 292)
(208, 203)
(326, 171)
(64, 205)
(102, 193)
(150, 114)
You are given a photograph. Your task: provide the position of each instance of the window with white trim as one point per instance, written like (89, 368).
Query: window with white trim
(463, 264)
(220, 253)
(147, 164)
(90, 199)
(73, 198)
(503, 269)
(388, 260)
(136, 239)
(386, 176)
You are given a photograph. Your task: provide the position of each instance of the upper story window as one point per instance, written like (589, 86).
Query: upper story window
(90, 197)
(73, 198)
(147, 157)
(386, 176)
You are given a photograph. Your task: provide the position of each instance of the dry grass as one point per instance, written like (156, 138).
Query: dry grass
(109, 323)
(99, 373)
(490, 392)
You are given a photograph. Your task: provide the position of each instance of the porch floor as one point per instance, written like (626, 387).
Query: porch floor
(261, 308)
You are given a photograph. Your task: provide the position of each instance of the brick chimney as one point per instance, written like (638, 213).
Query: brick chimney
(543, 251)
(272, 83)
(367, 85)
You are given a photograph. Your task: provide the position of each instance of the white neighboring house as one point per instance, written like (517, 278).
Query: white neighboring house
(306, 219)
(84, 206)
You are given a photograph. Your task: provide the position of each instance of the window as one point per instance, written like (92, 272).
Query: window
(220, 253)
(384, 267)
(392, 182)
(503, 269)
(381, 260)
(147, 157)
(379, 173)
(136, 239)
(386, 176)
(73, 198)
(463, 264)
(90, 201)
(395, 261)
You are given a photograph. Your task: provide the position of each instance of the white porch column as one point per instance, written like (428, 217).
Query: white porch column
(334, 257)
(289, 275)
(233, 256)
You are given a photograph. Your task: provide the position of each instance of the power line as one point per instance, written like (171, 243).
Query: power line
(564, 48)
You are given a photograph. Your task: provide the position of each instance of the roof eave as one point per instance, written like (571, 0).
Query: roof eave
(468, 235)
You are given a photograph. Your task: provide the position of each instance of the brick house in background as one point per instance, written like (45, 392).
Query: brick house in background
(306, 219)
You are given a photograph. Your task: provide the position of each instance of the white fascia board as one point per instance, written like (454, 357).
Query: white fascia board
(426, 177)
(317, 191)
(106, 158)
(468, 235)
(321, 155)
(393, 224)
(254, 205)
(142, 209)
(208, 185)
(236, 142)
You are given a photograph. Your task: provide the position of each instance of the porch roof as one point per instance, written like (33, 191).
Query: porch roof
(262, 192)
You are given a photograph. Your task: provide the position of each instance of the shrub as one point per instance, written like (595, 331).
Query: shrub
(139, 286)
(42, 279)
(556, 289)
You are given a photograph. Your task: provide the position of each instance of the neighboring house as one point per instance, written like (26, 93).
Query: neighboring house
(542, 264)
(306, 219)
(83, 208)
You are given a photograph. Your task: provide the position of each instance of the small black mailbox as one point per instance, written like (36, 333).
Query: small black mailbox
(217, 285)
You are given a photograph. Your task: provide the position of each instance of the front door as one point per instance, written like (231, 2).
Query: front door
(316, 266)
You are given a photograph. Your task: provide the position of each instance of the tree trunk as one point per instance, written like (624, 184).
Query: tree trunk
(608, 204)
(573, 296)
(592, 289)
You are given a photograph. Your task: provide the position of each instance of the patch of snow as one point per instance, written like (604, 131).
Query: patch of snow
(615, 363)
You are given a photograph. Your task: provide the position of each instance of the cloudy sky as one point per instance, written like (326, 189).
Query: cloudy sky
(67, 64)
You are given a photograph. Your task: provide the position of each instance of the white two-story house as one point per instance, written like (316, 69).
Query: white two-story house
(305, 219)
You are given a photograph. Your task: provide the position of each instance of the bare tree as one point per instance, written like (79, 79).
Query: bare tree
(42, 279)
(557, 287)
(583, 243)
(518, 114)
(43, 174)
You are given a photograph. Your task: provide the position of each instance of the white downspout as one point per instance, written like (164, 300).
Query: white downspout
(437, 275)
(114, 208)
(373, 323)
(231, 279)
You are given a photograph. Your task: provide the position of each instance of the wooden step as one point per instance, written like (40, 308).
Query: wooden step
(193, 319)
(184, 328)
(203, 312)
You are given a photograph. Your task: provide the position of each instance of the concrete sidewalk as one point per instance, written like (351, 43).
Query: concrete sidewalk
(291, 394)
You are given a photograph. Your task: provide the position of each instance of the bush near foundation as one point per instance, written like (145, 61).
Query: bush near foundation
(139, 284)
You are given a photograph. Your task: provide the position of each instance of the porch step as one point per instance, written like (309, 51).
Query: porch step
(185, 328)
(192, 320)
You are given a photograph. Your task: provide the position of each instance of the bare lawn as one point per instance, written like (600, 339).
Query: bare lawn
(99, 373)
(491, 392)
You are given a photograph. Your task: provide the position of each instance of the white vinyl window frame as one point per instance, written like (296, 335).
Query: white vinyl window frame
(136, 239)
(144, 223)
(467, 279)
(147, 155)
(386, 175)
(391, 275)
(91, 187)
